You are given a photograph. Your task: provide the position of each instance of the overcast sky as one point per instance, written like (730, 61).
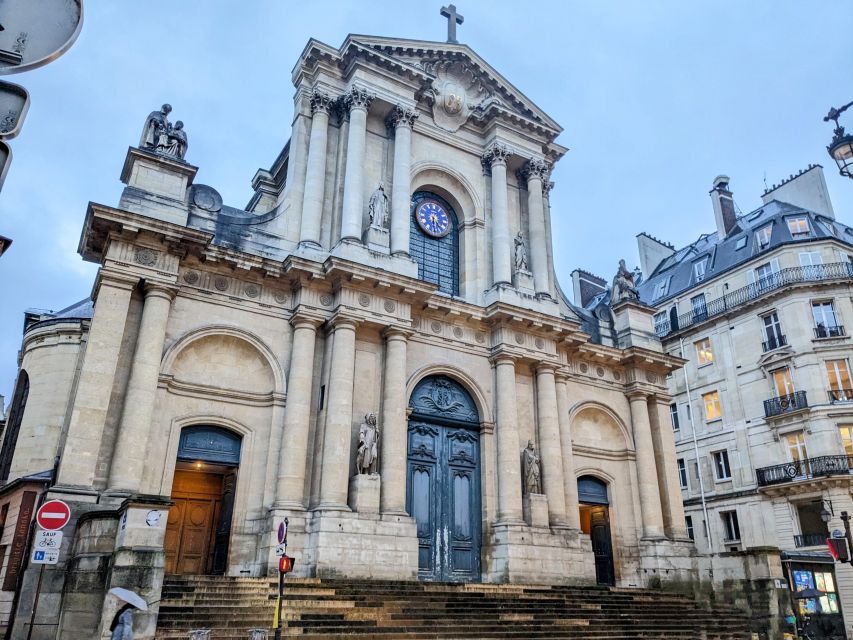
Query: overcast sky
(656, 99)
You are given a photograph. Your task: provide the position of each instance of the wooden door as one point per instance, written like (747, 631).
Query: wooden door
(602, 546)
(190, 530)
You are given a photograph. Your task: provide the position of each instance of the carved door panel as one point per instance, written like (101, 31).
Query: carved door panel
(190, 527)
(195, 536)
(222, 534)
(602, 546)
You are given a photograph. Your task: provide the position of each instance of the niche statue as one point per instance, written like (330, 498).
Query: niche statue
(532, 471)
(367, 458)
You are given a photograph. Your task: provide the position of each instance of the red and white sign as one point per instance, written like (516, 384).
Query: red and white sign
(53, 515)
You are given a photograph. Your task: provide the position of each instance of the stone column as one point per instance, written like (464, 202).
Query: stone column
(357, 101)
(536, 171)
(92, 400)
(667, 467)
(495, 157)
(293, 455)
(394, 425)
(570, 482)
(402, 120)
(549, 444)
(297, 164)
(647, 476)
(134, 431)
(509, 452)
(315, 172)
(334, 481)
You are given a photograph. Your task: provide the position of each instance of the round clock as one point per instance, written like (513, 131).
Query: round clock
(433, 218)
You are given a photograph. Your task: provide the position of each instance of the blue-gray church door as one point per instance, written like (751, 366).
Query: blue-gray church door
(443, 487)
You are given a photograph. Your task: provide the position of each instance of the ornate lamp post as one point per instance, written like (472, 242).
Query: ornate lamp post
(841, 147)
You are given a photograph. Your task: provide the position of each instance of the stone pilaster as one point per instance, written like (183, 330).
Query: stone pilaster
(495, 157)
(92, 400)
(667, 467)
(647, 477)
(549, 444)
(357, 101)
(509, 466)
(402, 120)
(290, 487)
(297, 167)
(135, 426)
(536, 171)
(315, 172)
(336, 444)
(392, 446)
(570, 482)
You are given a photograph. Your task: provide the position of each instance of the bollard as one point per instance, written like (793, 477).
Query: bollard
(199, 634)
(257, 634)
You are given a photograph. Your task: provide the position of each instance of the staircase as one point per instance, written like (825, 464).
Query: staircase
(323, 609)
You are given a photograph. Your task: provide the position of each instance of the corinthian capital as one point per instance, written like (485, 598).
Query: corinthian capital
(357, 98)
(496, 155)
(320, 101)
(402, 117)
(536, 169)
(546, 188)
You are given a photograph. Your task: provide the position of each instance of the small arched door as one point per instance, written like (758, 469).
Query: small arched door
(595, 522)
(443, 480)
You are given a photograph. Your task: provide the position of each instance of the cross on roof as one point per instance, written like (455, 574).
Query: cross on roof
(453, 19)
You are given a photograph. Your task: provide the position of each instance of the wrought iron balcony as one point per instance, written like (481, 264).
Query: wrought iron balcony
(810, 540)
(840, 395)
(821, 331)
(768, 284)
(785, 404)
(819, 467)
(774, 342)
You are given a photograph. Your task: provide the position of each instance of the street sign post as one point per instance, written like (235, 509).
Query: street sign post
(46, 546)
(285, 564)
(53, 515)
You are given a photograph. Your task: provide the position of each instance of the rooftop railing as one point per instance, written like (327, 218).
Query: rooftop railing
(761, 287)
(805, 469)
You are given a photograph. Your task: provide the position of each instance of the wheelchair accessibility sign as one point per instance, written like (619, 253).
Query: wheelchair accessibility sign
(46, 546)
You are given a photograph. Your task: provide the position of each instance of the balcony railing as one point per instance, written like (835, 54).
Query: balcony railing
(774, 342)
(745, 295)
(821, 331)
(810, 540)
(785, 404)
(804, 469)
(840, 395)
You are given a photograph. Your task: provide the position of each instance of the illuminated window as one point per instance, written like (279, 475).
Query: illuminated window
(704, 354)
(799, 227)
(713, 410)
(846, 433)
(840, 388)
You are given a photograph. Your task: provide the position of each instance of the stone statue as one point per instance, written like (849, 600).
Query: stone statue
(156, 126)
(176, 141)
(532, 471)
(377, 208)
(623, 286)
(520, 253)
(368, 444)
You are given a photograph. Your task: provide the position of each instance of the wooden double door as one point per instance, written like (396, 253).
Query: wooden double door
(199, 525)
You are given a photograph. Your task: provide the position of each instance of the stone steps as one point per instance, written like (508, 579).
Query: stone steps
(315, 609)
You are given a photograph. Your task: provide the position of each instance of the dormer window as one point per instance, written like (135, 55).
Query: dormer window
(699, 269)
(799, 227)
(762, 236)
(741, 243)
(660, 289)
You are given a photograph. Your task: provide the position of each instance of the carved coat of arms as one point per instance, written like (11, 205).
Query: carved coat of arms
(455, 92)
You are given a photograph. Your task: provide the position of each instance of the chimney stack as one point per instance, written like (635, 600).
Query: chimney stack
(724, 206)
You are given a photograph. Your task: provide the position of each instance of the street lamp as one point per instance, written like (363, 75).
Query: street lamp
(841, 147)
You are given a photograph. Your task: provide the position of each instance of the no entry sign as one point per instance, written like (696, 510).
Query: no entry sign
(53, 515)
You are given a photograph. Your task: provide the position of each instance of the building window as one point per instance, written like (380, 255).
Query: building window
(721, 465)
(661, 289)
(673, 415)
(731, 527)
(741, 243)
(846, 433)
(825, 321)
(704, 354)
(688, 520)
(813, 530)
(682, 473)
(762, 236)
(700, 311)
(660, 323)
(437, 257)
(840, 388)
(782, 382)
(797, 453)
(772, 332)
(766, 275)
(699, 269)
(687, 411)
(713, 410)
(799, 227)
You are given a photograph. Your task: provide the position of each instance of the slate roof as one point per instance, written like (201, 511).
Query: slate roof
(738, 247)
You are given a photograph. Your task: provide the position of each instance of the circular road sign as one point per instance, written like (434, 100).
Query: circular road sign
(53, 515)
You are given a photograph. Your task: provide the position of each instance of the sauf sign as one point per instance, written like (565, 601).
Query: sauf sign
(52, 516)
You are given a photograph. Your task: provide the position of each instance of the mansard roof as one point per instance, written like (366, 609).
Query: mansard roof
(738, 247)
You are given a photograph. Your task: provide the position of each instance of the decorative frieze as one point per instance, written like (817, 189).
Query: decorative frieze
(234, 287)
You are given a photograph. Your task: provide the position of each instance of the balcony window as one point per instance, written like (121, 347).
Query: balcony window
(813, 530)
(704, 353)
(773, 337)
(699, 269)
(722, 470)
(825, 320)
(782, 383)
(762, 236)
(682, 473)
(713, 410)
(673, 415)
(846, 433)
(689, 522)
(799, 227)
(840, 387)
(700, 309)
(731, 528)
(797, 454)
(765, 276)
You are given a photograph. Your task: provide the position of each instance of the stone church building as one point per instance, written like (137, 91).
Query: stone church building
(376, 347)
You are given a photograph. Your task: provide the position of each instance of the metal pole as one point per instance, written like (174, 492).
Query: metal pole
(696, 449)
(281, 576)
(36, 602)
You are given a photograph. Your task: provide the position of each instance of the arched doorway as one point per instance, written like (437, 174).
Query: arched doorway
(443, 480)
(595, 522)
(199, 526)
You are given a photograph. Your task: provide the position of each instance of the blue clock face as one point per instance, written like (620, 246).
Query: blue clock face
(433, 219)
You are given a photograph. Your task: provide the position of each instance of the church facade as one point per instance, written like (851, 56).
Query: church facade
(376, 348)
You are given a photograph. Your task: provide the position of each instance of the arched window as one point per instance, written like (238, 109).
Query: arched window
(591, 490)
(13, 425)
(434, 241)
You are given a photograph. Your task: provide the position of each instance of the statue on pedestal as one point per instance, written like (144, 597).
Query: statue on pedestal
(377, 208)
(532, 471)
(176, 141)
(520, 253)
(367, 457)
(623, 286)
(160, 136)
